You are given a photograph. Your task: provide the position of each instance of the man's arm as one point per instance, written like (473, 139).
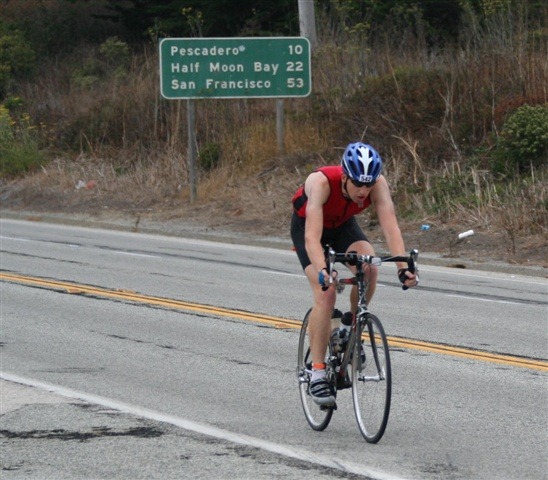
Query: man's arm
(382, 200)
(317, 190)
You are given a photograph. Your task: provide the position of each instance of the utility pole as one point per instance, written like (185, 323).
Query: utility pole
(307, 23)
(307, 20)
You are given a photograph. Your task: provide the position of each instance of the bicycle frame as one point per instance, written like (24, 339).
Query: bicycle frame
(360, 281)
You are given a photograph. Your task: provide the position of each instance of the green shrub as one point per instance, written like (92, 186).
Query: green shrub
(209, 156)
(449, 190)
(523, 141)
(19, 150)
(6, 134)
(84, 80)
(117, 56)
(112, 60)
(16, 57)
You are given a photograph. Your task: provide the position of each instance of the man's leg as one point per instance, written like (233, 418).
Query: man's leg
(319, 329)
(319, 332)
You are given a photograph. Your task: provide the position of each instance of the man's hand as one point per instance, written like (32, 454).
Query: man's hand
(324, 279)
(408, 278)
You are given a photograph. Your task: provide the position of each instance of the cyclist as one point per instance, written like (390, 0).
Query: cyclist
(324, 210)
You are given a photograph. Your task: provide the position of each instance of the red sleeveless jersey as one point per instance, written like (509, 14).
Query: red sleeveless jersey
(337, 209)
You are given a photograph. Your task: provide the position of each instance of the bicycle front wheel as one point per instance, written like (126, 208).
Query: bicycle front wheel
(318, 417)
(371, 379)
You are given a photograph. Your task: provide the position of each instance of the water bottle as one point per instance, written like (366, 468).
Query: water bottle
(339, 336)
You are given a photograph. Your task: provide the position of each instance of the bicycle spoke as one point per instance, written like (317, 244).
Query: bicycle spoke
(371, 380)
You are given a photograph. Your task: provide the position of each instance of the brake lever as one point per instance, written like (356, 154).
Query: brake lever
(412, 265)
(331, 262)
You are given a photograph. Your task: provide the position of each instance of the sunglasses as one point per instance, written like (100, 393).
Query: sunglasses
(362, 184)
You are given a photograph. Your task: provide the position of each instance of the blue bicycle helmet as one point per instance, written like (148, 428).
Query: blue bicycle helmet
(361, 163)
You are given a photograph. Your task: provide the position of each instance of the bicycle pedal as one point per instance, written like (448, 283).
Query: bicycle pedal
(324, 408)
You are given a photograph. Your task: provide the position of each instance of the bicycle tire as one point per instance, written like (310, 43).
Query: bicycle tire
(372, 379)
(317, 417)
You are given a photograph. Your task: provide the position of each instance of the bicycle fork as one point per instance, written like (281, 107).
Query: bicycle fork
(355, 345)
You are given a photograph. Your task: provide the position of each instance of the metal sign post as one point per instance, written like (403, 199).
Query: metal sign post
(192, 154)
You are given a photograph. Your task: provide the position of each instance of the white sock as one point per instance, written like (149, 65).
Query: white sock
(317, 374)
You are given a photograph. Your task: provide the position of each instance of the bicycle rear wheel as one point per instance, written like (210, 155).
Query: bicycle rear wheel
(318, 417)
(371, 379)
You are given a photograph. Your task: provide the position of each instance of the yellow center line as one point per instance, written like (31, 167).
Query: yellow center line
(131, 296)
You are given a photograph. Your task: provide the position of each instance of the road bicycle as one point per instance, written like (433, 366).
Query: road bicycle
(364, 365)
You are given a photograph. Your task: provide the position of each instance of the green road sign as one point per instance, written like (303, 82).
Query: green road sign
(235, 67)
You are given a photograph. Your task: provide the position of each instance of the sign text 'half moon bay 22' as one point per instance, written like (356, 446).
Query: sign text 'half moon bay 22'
(235, 67)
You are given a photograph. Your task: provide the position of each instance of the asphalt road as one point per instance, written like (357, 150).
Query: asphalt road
(98, 385)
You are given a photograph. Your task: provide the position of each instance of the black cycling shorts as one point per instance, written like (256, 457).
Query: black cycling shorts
(339, 238)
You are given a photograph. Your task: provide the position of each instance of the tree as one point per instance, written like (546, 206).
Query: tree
(16, 57)
(219, 17)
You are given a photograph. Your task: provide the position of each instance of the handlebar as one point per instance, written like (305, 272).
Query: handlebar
(356, 259)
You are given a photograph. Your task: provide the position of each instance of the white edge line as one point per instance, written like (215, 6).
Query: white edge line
(299, 275)
(17, 239)
(483, 299)
(133, 254)
(203, 429)
(496, 276)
